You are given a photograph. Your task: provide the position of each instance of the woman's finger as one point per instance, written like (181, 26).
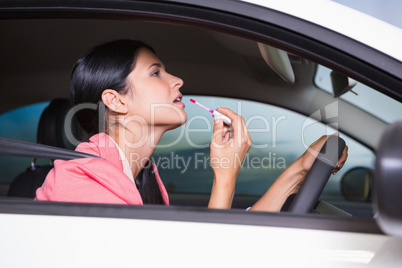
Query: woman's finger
(226, 138)
(227, 130)
(229, 113)
(218, 131)
(238, 130)
(343, 157)
(342, 160)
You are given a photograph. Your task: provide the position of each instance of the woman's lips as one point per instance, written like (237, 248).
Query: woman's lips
(178, 100)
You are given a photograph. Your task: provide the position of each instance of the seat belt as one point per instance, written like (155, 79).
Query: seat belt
(11, 147)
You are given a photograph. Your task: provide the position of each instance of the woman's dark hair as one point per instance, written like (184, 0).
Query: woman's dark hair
(103, 67)
(107, 66)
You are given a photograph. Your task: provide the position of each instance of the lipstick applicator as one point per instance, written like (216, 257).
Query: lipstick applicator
(214, 113)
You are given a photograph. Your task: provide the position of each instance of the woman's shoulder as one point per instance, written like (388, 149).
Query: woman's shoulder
(98, 145)
(94, 145)
(87, 180)
(101, 145)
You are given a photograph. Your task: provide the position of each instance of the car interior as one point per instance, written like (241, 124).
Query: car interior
(38, 54)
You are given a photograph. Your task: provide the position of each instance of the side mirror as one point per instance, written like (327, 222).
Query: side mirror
(356, 184)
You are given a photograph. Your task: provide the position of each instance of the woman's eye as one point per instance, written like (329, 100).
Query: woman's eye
(155, 73)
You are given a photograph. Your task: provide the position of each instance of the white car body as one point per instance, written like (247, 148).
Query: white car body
(59, 241)
(349, 22)
(112, 236)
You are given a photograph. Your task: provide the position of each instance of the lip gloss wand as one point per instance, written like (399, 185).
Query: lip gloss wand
(214, 113)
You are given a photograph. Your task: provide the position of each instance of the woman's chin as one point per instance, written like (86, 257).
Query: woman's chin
(178, 124)
(181, 120)
(173, 124)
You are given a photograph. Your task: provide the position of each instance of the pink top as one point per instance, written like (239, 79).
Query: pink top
(94, 180)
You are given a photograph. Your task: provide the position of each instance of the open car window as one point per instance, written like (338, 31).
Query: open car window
(282, 126)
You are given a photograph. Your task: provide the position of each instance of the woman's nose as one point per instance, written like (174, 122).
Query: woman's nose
(176, 82)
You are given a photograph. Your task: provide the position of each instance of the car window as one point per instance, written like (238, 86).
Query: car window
(279, 137)
(21, 124)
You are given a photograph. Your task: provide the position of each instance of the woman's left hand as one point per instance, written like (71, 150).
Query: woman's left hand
(314, 149)
(291, 179)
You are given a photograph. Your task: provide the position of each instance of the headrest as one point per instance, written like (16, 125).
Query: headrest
(388, 181)
(51, 125)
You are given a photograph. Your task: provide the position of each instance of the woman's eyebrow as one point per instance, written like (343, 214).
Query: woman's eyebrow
(157, 64)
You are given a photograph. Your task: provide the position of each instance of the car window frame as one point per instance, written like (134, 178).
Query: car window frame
(190, 214)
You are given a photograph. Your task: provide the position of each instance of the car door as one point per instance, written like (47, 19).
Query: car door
(75, 234)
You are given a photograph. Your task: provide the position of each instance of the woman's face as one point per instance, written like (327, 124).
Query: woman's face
(154, 95)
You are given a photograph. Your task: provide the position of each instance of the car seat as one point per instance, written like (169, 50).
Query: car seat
(50, 132)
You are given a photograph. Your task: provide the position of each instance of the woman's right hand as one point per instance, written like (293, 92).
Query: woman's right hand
(229, 147)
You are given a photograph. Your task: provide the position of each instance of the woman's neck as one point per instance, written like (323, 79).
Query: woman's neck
(137, 144)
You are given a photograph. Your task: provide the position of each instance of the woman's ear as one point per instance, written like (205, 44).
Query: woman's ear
(114, 101)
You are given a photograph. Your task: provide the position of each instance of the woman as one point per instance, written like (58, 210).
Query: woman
(138, 102)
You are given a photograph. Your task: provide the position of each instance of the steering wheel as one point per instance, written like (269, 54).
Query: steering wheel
(316, 179)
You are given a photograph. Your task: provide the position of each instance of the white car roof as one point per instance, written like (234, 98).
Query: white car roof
(349, 22)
